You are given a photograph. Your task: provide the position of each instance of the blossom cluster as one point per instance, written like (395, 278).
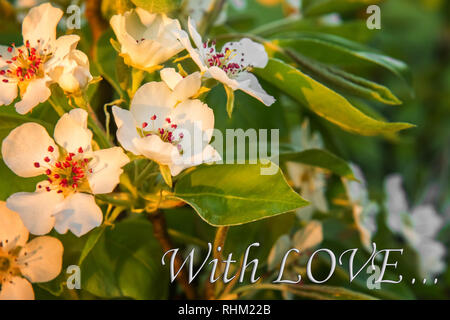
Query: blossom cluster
(160, 124)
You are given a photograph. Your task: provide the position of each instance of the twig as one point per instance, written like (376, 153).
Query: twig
(96, 22)
(219, 241)
(161, 234)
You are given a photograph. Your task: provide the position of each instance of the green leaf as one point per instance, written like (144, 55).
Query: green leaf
(320, 158)
(126, 262)
(323, 101)
(93, 238)
(157, 6)
(226, 195)
(334, 50)
(319, 7)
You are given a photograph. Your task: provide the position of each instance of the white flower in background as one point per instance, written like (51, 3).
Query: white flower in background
(418, 226)
(26, 69)
(146, 39)
(231, 65)
(39, 260)
(308, 179)
(174, 136)
(364, 211)
(74, 172)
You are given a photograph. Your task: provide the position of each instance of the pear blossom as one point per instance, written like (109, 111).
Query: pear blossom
(75, 173)
(364, 210)
(231, 65)
(146, 39)
(197, 10)
(419, 226)
(165, 127)
(22, 262)
(28, 69)
(308, 179)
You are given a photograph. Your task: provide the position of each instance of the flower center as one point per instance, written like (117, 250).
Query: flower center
(223, 59)
(165, 133)
(66, 174)
(8, 265)
(27, 63)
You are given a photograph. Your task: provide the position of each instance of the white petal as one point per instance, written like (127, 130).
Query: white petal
(426, 221)
(40, 24)
(431, 255)
(208, 155)
(250, 85)
(170, 77)
(396, 204)
(155, 149)
(63, 46)
(36, 209)
(221, 76)
(106, 169)
(17, 289)
(194, 33)
(40, 260)
(78, 213)
(37, 92)
(12, 231)
(153, 98)
(126, 129)
(247, 53)
(8, 92)
(26, 145)
(193, 113)
(71, 131)
(183, 37)
(188, 87)
(5, 55)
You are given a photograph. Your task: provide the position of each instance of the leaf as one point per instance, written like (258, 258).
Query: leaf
(323, 101)
(319, 7)
(309, 236)
(157, 6)
(230, 100)
(333, 293)
(334, 50)
(126, 262)
(226, 195)
(320, 158)
(165, 173)
(91, 241)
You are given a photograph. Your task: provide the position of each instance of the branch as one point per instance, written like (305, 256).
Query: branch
(161, 234)
(96, 22)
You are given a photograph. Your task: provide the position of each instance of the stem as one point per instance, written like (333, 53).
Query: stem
(219, 241)
(160, 232)
(96, 23)
(211, 16)
(144, 173)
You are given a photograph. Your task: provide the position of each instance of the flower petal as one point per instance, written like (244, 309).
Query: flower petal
(106, 169)
(247, 53)
(12, 231)
(37, 92)
(396, 204)
(208, 155)
(78, 213)
(187, 87)
(126, 129)
(17, 288)
(153, 98)
(36, 209)
(250, 85)
(40, 24)
(155, 149)
(170, 77)
(8, 92)
(40, 260)
(426, 221)
(71, 131)
(26, 145)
